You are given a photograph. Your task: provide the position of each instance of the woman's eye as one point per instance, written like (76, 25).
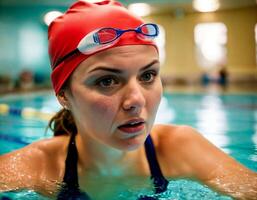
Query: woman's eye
(148, 77)
(107, 82)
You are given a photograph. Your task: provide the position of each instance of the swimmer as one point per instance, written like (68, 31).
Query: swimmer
(106, 75)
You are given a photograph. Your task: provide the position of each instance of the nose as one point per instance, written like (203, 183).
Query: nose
(134, 99)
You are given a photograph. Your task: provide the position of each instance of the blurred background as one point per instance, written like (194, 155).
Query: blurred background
(203, 43)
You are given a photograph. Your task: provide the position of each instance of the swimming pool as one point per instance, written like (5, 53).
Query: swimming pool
(228, 120)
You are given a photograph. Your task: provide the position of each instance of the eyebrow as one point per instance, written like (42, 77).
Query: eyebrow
(108, 69)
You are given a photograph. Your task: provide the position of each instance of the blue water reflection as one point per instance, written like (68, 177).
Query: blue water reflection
(228, 121)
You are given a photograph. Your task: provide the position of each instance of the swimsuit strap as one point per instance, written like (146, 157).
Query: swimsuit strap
(71, 172)
(70, 188)
(160, 183)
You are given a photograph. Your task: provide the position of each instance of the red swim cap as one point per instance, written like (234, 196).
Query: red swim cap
(65, 33)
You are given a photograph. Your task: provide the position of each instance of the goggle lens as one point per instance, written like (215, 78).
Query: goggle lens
(106, 35)
(149, 30)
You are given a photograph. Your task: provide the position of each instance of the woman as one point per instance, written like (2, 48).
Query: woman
(106, 76)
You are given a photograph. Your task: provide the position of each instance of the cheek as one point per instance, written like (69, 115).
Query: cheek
(92, 104)
(103, 108)
(90, 108)
(154, 104)
(155, 97)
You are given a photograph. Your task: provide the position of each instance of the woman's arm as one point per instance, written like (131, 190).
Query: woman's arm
(35, 167)
(186, 153)
(20, 169)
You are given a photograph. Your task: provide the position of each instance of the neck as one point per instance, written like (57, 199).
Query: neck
(101, 159)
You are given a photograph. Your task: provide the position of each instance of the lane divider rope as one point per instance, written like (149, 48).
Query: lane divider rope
(26, 112)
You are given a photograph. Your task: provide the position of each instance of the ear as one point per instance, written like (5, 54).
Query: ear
(62, 98)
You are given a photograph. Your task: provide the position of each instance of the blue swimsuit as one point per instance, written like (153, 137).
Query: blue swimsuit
(71, 191)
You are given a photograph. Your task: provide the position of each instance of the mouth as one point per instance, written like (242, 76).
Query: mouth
(132, 126)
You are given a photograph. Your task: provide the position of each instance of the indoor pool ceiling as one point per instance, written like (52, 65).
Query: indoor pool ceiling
(163, 5)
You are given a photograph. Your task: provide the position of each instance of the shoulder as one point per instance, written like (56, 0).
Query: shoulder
(185, 152)
(178, 149)
(176, 139)
(44, 150)
(48, 148)
(32, 165)
(175, 135)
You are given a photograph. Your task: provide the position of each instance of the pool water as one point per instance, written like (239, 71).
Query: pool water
(229, 121)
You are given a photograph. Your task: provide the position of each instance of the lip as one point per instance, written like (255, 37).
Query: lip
(140, 125)
(134, 120)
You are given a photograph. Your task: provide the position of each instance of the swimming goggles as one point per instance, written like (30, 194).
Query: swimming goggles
(105, 37)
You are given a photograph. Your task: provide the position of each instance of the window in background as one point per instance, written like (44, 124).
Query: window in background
(31, 45)
(210, 40)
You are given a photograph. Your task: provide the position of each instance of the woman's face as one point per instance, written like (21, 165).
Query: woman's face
(114, 95)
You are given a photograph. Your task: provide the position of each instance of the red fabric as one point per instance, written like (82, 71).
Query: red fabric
(82, 17)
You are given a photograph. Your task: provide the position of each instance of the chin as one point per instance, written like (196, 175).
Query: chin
(133, 148)
(132, 144)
